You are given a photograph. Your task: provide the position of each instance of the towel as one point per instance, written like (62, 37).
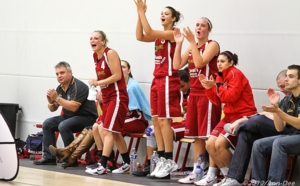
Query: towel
(137, 98)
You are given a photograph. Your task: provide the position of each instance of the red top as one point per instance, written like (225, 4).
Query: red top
(235, 92)
(209, 69)
(164, 52)
(116, 90)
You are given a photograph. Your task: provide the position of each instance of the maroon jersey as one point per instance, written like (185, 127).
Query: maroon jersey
(116, 90)
(209, 69)
(164, 52)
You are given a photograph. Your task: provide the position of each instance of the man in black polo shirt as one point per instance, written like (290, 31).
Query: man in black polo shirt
(77, 111)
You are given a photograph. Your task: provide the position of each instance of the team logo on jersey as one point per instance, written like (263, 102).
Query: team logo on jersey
(162, 41)
(101, 73)
(159, 47)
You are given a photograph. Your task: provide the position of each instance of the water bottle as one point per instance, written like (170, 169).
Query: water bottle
(199, 169)
(153, 160)
(133, 163)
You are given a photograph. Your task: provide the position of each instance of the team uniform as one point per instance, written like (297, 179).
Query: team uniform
(165, 88)
(114, 96)
(202, 116)
(233, 89)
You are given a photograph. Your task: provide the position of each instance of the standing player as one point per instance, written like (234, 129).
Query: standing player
(201, 57)
(165, 88)
(110, 78)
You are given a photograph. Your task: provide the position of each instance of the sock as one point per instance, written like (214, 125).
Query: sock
(212, 171)
(161, 153)
(112, 155)
(169, 155)
(99, 153)
(224, 170)
(104, 161)
(125, 158)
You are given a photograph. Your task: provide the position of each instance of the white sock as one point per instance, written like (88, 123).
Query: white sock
(212, 171)
(224, 170)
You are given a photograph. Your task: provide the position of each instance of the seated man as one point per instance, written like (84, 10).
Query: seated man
(286, 120)
(254, 128)
(78, 112)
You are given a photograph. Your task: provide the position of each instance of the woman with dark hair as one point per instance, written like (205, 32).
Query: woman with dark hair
(165, 88)
(232, 89)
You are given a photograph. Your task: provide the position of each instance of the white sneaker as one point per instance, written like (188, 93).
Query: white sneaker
(221, 182)
(168, 167)
(189, 179)
(97, 171)
(159, 164)
(207, 180)
(124, 168)
(93, 166)
(232, 182)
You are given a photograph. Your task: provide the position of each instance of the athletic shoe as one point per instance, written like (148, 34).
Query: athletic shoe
(124, 168)
(111, 165)
(44, 161)
(207, 180)
(97, 171)
(93, 166)
(188, 179)
(232, 182)
(168, 167)
(144, 172)
(221, 182)
(159, 164)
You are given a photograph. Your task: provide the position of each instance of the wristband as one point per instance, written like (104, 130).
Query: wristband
(51, 104)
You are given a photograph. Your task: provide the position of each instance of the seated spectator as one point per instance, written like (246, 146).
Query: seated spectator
(177, 127)
(78, 112)
(136, 122)
(258, 126)
(232, 89)
(286, 120)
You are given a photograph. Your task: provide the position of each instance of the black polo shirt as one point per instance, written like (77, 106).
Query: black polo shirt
(78, 92)
(291, 106)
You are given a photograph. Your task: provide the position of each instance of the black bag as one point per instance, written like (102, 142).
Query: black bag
(34, 143)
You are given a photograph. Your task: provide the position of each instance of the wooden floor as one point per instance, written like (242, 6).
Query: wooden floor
(36, 177)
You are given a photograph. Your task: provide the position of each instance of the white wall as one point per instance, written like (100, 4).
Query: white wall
(35, 35)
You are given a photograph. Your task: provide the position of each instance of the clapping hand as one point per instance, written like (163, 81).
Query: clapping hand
(141, 5)
(178, 36)
(207, 83)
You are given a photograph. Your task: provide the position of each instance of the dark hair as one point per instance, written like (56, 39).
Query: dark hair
(128, 66)
(295, 67)
(103, 36)
(281, 74)
(184, 75)
(175, 14)
(210, 26)
(63, 64)
(230, 56)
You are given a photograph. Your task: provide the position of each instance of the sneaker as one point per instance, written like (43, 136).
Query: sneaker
(97, 171)
(168, 167)
(93, 166)
(111, 165)
(144, 172)
(159, 164)
(207, 180)
(221, 182)
(227, 129)
(189, 179)
(232, 182)
(43, 161)
(124, 168)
